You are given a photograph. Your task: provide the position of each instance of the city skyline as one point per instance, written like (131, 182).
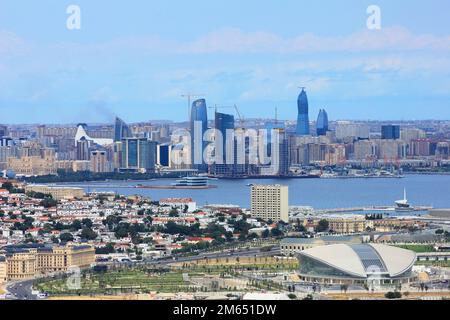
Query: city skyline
(138, 67)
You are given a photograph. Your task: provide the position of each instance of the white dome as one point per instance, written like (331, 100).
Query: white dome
(362, 260)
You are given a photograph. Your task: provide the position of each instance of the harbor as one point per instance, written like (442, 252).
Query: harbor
(322, 194)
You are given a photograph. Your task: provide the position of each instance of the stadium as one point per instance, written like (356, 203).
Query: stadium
(357, 264)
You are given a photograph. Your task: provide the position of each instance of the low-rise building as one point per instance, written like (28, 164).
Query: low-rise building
(28, 261)
(57, 193)
(349, 225)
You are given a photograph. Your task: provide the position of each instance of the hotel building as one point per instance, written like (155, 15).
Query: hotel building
(270, 202)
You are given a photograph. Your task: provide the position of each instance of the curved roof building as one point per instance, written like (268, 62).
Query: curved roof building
(81, 134)
(356, 264)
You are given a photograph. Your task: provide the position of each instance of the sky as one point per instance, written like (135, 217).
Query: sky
(136, 58)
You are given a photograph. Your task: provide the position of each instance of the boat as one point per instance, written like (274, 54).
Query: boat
(195, 181)
(403, 205)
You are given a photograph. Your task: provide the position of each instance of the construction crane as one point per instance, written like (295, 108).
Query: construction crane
(189, 97)
(241, 119)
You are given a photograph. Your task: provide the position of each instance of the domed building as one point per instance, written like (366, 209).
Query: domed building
(357, 264)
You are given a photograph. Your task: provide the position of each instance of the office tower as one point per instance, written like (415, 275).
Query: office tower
(99, 162)
(199, 125)
(163, 155)
(121, 130)
(224, 122)
(391, 132)
(303, 114)
(83, 149)
(322, 123)
(138, 154)
(225, 153)
(270, 202)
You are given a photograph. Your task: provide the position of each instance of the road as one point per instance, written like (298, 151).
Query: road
(21, 290)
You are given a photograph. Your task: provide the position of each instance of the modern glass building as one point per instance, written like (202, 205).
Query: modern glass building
(391, 132)
(224, 122)
(198, 125)
(322, 123)
(138, 154)
(121, 130)
(357, 264)
(303, 114)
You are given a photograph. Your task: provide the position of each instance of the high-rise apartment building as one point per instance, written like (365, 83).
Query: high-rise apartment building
(270, 202)
(99, 162)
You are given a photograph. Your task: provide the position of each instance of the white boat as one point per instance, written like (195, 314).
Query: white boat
(403, 205)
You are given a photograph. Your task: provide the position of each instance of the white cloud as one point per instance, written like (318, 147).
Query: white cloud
(232, 40)
(11, 44)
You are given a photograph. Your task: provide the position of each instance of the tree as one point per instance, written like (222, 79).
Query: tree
(275, 232)
(8, 186)
(109, 248)
(173, 212)
(66, 237)
(301, 228)
(393, 295)
(88, 233)
(76, 225)
(49, 203)
(322, 226)
(87, 222)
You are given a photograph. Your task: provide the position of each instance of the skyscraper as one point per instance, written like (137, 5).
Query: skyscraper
(121, 130)
(303, 116)
(224, 122)
(322, 123)
(225, 156)
(199, 125)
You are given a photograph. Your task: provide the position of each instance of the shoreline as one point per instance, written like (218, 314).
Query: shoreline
(247, 178)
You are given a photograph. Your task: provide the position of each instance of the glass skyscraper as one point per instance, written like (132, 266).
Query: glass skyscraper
(303, 114)
(224, 122)
(322, 123)
(199, 125)
(121, 130)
